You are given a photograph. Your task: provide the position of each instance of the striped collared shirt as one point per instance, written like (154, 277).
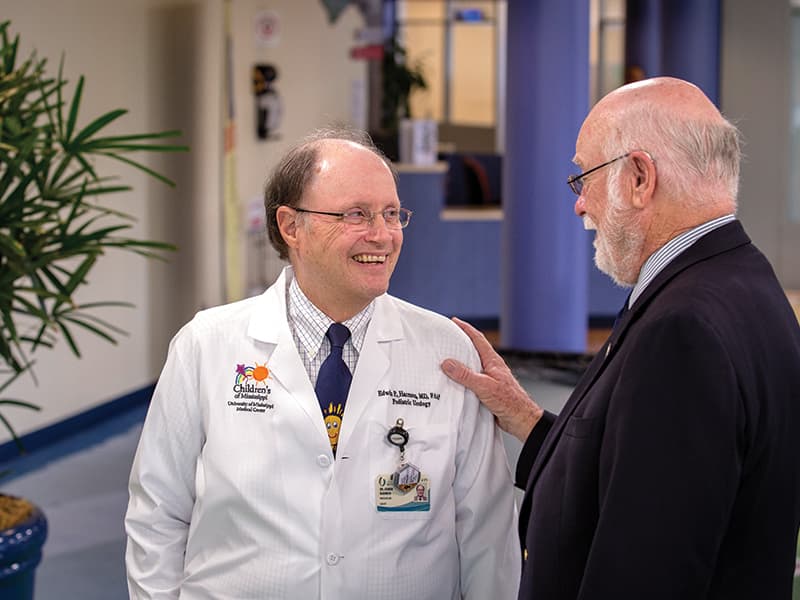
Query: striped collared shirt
(309, 325)
(669, 251)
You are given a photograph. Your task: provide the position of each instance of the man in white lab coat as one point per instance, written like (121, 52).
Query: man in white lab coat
(247, 485)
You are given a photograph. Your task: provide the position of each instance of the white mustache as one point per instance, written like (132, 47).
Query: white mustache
(588, 223)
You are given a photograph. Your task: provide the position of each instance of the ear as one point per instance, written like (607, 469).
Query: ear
(287, 224)
(644, 174)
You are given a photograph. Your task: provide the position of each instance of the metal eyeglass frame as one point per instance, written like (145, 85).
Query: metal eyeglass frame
(575, 182)
(367, 217)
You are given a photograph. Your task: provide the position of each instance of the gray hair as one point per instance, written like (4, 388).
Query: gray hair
(292, 175)
(692, 156)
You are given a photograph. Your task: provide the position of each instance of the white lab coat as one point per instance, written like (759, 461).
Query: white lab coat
(231, 504)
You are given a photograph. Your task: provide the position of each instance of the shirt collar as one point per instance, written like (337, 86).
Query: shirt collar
(311, 324)
(670, 251)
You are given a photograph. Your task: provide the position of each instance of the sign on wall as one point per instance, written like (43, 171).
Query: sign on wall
(267, 29)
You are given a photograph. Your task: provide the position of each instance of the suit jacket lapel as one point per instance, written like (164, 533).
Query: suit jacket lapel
(593, 371)
(715, 242)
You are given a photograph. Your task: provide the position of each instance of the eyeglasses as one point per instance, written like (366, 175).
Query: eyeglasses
(575, 182)
(394, 218)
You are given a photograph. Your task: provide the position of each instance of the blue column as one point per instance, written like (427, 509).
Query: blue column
(544, 252)
(691, 43)
(679, 38)
(643, 36)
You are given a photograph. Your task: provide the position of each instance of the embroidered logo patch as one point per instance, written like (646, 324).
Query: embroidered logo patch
(250, 389)
(404, 398)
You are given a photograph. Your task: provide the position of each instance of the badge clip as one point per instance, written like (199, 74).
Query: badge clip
(406, 476)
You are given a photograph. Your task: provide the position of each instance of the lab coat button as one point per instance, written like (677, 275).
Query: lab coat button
(332, 558)
(323, 461)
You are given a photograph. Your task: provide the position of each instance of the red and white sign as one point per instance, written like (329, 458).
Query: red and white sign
(267, 29)
(371, 52)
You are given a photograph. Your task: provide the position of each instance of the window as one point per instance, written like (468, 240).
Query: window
(607, 47)
(460, 46)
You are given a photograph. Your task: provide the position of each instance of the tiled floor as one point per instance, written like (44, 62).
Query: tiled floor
(81, 486)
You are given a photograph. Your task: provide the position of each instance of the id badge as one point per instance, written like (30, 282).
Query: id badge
(406, 489)
(390, 498)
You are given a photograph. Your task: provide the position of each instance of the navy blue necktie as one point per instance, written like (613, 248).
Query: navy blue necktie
(333, 383)
(621, 312)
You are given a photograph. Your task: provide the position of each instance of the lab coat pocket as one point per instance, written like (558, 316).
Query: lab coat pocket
(423, 483)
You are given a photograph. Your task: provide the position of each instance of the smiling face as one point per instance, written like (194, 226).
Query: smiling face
(333, 423)
(341, 268)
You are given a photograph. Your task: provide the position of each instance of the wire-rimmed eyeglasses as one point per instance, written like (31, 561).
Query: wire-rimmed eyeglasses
(393, 218)
(575, 182)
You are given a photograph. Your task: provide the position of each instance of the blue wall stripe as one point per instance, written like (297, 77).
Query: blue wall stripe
(40, 439)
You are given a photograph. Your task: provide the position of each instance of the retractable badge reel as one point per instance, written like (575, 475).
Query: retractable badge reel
(406, 476)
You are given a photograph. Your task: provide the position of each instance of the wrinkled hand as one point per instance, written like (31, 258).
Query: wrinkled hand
(495, 386)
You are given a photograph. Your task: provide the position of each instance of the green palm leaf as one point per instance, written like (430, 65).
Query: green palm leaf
(54, 227)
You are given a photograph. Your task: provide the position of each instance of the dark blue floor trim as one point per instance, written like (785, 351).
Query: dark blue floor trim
(482, 323)
(97, 424)
(493, 323)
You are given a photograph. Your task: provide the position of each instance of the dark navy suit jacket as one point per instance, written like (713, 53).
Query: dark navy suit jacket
(673, 470)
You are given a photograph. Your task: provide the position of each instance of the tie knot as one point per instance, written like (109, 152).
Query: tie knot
(338, 334)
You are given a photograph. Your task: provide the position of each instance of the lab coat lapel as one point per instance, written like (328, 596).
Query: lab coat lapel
(374, 361)
(268, 324)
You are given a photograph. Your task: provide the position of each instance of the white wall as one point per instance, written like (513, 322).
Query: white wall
(755, 94)
(315, 79)
(163, 60)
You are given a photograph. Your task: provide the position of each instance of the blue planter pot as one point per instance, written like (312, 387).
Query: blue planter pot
(20, 553)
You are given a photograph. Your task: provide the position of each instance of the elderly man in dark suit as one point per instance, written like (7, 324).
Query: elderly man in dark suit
(673, 470)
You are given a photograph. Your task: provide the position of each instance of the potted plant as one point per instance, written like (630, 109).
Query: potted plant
(399, 79)
(54, 226)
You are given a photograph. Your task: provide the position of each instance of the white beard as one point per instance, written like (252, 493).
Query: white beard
(619, 240)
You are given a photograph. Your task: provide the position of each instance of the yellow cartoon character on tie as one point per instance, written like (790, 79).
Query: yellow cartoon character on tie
(333, 423)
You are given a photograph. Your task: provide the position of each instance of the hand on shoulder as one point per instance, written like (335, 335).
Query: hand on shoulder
(495, 386)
